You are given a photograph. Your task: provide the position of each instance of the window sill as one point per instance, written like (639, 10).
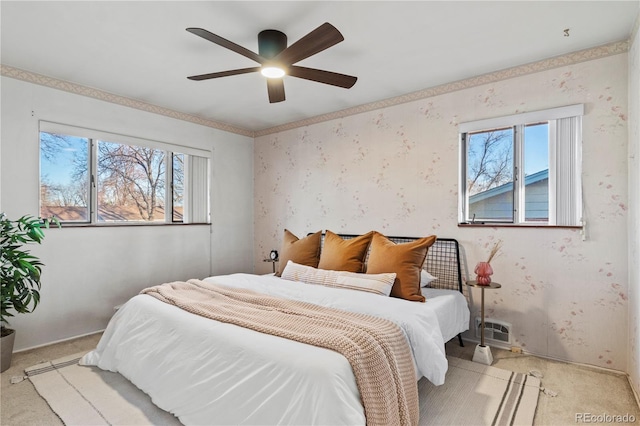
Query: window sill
(514, 225)
(131, 224)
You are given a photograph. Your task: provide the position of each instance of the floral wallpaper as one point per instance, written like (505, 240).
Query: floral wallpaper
(395, 170)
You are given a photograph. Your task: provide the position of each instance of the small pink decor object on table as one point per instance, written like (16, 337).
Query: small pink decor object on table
(484, 270)
(483, 273)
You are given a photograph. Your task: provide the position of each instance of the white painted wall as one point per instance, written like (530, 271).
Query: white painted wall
(90, 270)
(634, 210)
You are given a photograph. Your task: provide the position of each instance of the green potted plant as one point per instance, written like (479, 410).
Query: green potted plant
(20, 274)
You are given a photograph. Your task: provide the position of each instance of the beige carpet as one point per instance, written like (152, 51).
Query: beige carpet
(473, 394)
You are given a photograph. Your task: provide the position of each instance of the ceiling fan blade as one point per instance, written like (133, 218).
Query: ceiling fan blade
(326, 77)
(275, 87)
(226, 43)
(223, 73)
(323, 37)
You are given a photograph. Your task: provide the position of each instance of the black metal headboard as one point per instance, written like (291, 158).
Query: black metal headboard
(443, 260)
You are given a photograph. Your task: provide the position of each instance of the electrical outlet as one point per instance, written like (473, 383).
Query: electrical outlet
(516, 349)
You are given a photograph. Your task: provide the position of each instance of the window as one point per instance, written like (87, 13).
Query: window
(88, 176)
(522, 169)
(64, 183)
(177, 187)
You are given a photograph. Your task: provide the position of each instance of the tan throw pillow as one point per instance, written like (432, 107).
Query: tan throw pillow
(404, 259)
(344, 255)
(304, 251)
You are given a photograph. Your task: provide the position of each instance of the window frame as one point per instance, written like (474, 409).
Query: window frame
(169, 213)
(518, 122)
(95, 136)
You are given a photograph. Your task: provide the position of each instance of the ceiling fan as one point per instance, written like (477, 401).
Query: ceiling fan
(276, 59)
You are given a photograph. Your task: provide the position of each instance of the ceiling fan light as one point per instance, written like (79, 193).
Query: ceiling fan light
(272, 72)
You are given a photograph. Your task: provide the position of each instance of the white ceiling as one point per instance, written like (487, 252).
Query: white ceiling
(141, 49)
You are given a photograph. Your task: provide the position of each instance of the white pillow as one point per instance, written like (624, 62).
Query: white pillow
(373, 283)
(426, 278)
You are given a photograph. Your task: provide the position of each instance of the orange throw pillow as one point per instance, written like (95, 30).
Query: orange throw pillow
(344, 255)
(304, 251)
(404, 259)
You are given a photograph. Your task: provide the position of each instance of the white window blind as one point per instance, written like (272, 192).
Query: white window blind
(197, 200)
(565, 172)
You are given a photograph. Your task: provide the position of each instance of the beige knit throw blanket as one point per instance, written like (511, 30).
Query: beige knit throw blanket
(376, 348)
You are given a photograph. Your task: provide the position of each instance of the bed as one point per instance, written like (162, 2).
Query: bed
(210, 372)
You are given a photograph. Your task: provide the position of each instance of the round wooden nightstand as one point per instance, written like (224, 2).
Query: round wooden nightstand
(482, 353)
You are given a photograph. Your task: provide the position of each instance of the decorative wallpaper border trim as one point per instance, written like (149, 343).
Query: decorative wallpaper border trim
(533, 67)
(90, 92)
(492, 77)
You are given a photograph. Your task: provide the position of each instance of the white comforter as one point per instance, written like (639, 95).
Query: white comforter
(206, 372)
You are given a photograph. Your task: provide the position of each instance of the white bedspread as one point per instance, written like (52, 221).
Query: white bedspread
(206, 372)
(451, 308)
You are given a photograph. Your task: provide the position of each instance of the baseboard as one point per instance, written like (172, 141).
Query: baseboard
(526, 352)
(58, 341)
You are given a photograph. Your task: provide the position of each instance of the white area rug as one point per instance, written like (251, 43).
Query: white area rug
(82, 395)
(473, 394)
(476, 394)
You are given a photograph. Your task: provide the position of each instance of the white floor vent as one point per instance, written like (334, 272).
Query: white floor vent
(494, 330)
